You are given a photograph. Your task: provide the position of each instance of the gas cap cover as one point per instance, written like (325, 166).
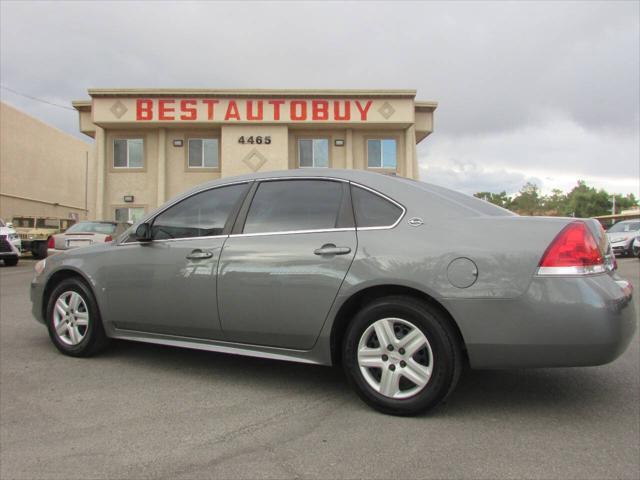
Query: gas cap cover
(462, 272)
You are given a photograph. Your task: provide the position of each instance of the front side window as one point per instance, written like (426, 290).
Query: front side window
(382, 153)
(129, 214)
(128, 153)
(372, 210)
(203, 153)
(201, 215)
(292, 205)
(313, 152)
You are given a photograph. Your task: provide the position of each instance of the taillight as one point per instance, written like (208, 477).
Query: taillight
(108, 238)
(574, 251)
(51, 242)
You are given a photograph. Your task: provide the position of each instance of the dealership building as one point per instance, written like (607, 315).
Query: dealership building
(151, 144)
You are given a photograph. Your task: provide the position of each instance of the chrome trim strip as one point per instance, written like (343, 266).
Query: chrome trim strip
(247, 350)
(292, 232)
(571, 271)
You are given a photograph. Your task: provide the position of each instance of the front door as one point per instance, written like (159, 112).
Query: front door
(169, 285)
(280, 274)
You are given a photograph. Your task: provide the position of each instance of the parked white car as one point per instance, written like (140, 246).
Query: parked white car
(621, 236)
(636, 247)
(10, 244)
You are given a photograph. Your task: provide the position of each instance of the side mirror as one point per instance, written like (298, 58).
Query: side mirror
(143, 232)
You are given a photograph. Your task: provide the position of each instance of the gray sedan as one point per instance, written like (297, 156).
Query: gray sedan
(376, 273)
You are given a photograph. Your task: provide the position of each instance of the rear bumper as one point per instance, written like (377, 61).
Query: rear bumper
(558, 322)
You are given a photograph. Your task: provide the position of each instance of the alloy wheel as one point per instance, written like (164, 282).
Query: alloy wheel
(395, 358)
(70, 318)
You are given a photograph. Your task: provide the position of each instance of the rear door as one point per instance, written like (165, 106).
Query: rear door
(281, 271)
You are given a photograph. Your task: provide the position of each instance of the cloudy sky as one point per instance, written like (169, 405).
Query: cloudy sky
(541, 91)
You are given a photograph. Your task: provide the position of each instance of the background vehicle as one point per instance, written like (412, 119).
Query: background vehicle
(35, 232)
(371, 271)
(621, 236)
(83, 234)
(9, 245)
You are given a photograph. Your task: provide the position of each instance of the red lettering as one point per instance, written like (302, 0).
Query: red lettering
(347, 111)
(293, 114)
(188, 112)
(232, 111)
(210, 107)
(276, 108)
(250, 115)
(363, 111)
(144, 109)
(320, 110)
(164, 110)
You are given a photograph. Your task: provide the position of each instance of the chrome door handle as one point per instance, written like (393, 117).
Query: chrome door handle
(331, 249)
(198, 254)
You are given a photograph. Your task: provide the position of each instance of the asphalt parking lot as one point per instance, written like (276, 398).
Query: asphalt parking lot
(141, 411)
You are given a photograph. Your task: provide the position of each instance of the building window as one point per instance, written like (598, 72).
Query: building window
(129, 214)
(203, 153)
(128, 153)
(382, 153)
(313, 153)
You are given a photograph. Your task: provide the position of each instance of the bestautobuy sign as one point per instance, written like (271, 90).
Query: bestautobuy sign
(242, 110)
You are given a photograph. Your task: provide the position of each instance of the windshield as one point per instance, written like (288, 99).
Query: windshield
(23, 222)
(93, 227)
(625, 227)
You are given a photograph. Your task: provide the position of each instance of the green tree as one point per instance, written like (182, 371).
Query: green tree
(527, 201)
(501, 199)
(584, 201)
(555, 204)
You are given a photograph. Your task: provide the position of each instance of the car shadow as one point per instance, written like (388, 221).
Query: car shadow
(535, 391)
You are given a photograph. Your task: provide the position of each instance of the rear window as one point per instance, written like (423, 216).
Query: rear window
(372, 210)
(23, 222)
(93, 227)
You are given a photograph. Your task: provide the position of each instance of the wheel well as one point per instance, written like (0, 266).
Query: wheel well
(361, 298)
(54, 280)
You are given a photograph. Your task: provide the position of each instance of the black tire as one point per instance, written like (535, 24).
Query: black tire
(446, 349)
(11, 261)
(94, 339)
(39, 250)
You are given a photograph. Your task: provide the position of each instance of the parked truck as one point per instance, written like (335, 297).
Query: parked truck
(35, 232)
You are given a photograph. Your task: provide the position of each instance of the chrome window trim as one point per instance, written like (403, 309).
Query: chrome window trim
(163, 240)
(283, 232)
(382, 227)
(571, 271)
(293, 232)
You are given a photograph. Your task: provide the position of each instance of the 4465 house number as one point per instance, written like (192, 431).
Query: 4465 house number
(259, 139)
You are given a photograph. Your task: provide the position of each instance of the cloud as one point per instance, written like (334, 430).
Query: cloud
(502, 72)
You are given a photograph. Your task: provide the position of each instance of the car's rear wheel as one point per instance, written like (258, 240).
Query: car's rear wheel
(11, 261)
(73, 319)
(401, 355)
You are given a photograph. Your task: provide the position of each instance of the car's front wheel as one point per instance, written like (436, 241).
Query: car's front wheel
(73, 319)
(401, 355)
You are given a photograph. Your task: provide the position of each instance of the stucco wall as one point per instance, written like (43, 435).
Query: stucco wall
(43, 171)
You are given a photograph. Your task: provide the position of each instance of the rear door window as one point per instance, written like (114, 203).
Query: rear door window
(372, 210)
(294, 205)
